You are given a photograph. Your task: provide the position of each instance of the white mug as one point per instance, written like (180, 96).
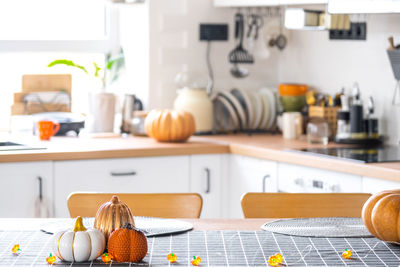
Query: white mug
(291, 125)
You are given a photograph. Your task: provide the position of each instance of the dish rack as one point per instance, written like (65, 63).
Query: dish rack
(394, 57)
(328, 113)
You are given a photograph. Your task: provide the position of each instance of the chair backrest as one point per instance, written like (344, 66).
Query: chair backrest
(295, 205)
(180, 205)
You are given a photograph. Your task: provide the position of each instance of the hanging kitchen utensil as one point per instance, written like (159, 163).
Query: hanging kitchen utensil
(260, 48)
(281, 39)
(255, 22)
(239, 54)
(237, 71)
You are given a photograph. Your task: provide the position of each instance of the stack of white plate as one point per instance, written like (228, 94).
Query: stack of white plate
(245, 110)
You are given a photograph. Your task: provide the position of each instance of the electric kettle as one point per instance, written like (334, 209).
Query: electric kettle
(130, 105)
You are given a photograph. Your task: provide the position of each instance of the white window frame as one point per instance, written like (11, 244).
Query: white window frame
(109, 43)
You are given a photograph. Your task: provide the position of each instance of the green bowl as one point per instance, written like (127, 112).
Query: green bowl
(293, 103)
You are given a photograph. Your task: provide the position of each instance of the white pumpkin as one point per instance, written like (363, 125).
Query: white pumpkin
(79, 244)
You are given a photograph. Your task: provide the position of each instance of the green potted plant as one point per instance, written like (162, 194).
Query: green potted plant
(101, 103)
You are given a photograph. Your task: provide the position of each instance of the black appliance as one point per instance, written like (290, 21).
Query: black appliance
(361, 154)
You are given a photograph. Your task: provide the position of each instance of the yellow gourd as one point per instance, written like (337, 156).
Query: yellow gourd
(169, 125)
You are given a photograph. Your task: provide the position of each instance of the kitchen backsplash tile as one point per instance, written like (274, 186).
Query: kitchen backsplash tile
(173, 33)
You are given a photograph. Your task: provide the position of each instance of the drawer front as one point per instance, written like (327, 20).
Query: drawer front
(374, 185)
(135, 175)
(299, 179)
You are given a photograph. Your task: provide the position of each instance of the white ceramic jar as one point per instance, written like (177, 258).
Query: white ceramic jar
(197, 102)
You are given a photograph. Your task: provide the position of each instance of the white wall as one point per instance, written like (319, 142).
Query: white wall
(174, 42)
(328, 65)
(310, 57)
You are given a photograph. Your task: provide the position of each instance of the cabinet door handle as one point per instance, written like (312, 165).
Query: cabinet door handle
(264, 182)
(123, 173)
(208, 180)
(40, 188)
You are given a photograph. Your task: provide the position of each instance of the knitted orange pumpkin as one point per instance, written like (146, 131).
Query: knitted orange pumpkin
(169, 125)
(127, 244)
(112, 215)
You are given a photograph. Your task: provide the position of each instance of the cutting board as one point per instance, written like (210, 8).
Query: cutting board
(46, 82)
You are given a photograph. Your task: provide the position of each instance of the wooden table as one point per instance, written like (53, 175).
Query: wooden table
(239, 245)
(228, 224)
(199, 224)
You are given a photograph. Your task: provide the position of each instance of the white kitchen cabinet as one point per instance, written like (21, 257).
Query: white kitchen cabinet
(250, 3)
(21, 189)
(206, 179)
(248, 175)
(363, 6)
(300, 179)
(131, 175)
(374, 185)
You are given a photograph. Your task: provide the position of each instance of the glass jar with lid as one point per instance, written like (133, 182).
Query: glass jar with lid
(318, 131)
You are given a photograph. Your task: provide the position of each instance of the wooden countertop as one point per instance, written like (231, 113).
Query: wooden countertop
(263, 146)
(70, 148)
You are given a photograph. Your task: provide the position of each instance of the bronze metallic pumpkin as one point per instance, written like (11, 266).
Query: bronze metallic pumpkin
(112, 215)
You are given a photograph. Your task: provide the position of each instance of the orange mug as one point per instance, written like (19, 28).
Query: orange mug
(47, 129)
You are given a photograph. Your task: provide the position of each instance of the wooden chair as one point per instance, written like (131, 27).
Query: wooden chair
(182, 205)
(295, 205)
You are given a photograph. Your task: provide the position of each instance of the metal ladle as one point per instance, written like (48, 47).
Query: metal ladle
(281, 40)
(239, 72)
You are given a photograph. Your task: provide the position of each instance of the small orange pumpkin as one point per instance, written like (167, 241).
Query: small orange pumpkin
(127, 244)
(106, 257)
(381, 215)
(169, 125)
(51, 259)
(112, 215)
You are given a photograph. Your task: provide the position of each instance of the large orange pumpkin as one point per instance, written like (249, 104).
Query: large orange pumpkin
(381, 215)
(112, 215)
(127, 244)
(169, 125)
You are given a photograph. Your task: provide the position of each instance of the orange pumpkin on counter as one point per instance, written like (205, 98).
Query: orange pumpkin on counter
(381, 215)
(127, 244)
(112, 215)
(169, 125)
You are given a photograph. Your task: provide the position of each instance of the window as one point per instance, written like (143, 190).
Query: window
(53, 20)
(35, 32)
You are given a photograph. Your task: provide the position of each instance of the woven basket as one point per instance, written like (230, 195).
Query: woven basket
(394, 57)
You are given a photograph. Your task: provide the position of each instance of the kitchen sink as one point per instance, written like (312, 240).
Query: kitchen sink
(9, 146)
